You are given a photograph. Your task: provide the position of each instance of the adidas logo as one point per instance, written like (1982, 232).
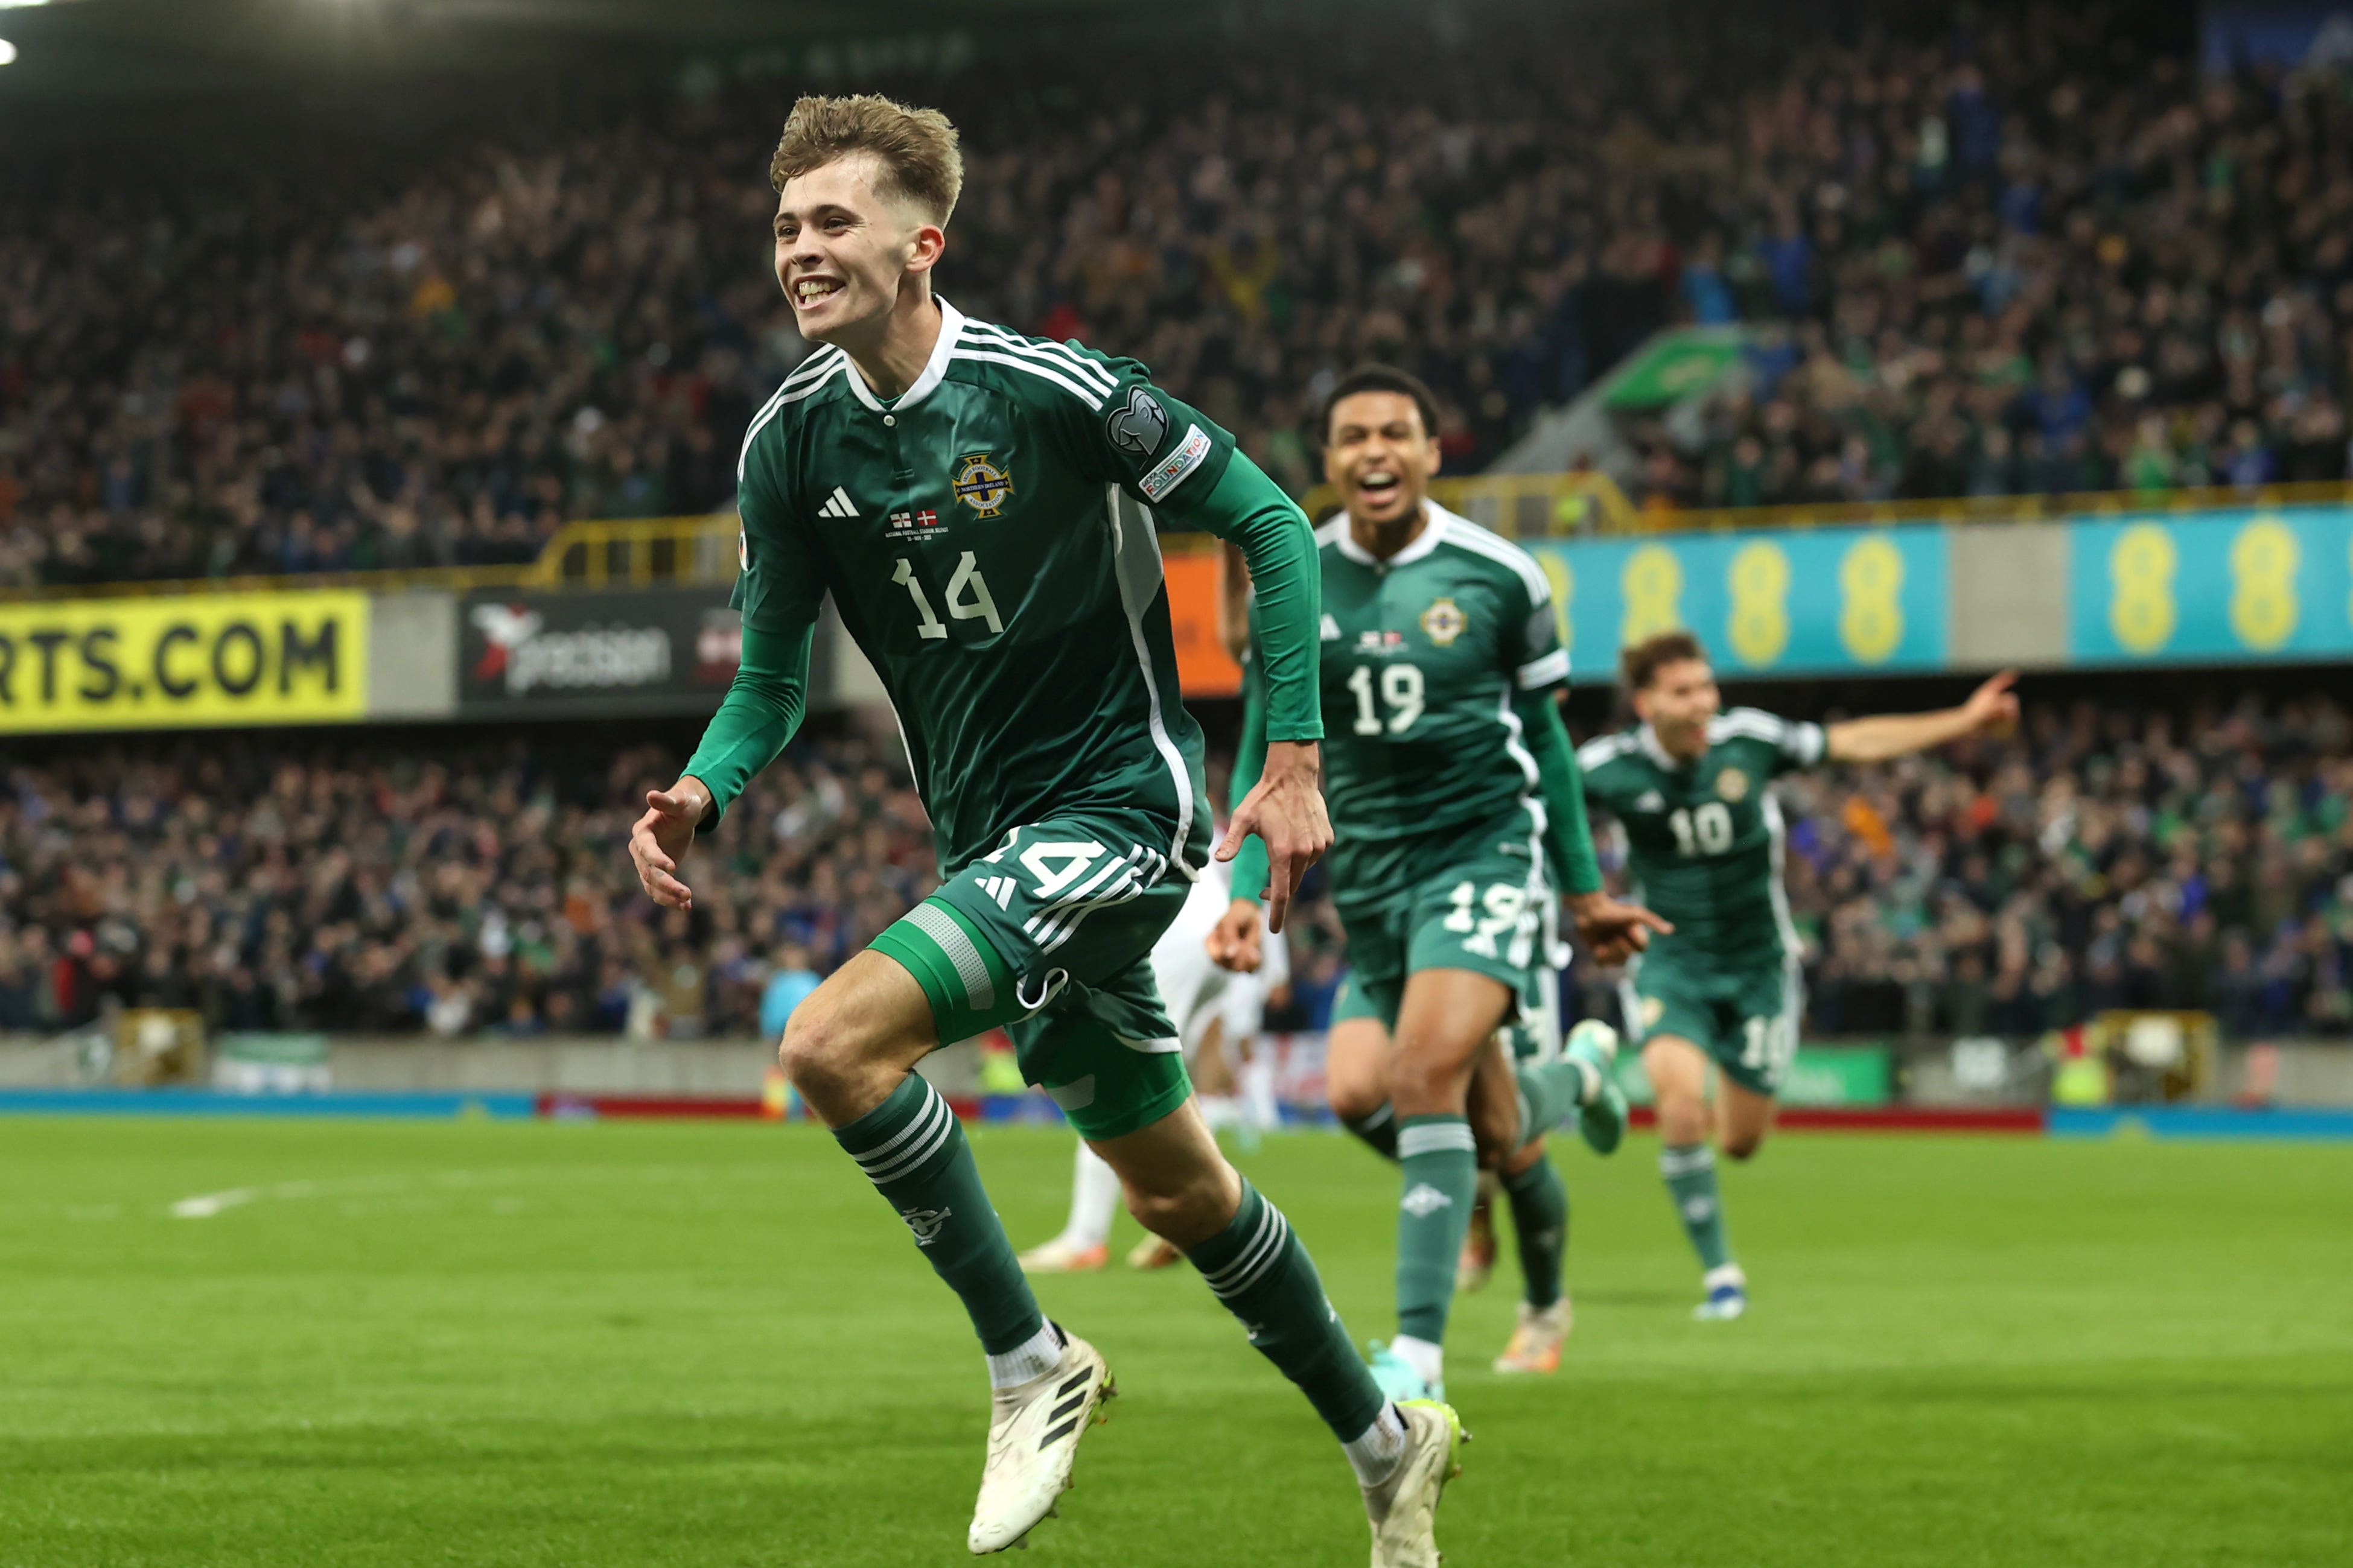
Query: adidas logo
(1424, 1201)
(999, 888)
(837, 504)
(1651, 800)
(1331, 629)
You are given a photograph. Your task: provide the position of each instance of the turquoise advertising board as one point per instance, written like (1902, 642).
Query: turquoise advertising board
(2215, 587)
(1774, 602)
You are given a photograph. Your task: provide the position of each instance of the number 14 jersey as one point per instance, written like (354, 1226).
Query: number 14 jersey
(986, 538)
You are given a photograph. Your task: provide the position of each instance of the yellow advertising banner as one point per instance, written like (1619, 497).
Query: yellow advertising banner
(192, 661)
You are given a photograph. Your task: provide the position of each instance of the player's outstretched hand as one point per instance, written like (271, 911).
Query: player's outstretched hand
(1992, 708)
(1233, 941)
(1286, 811)
(1612, 932)
(662, 839)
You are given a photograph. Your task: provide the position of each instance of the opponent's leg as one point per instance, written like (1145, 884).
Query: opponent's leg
(849, 1050)
(1678, 1073)
(1447, 1017)
(1181, 1187)
(1084, 1244)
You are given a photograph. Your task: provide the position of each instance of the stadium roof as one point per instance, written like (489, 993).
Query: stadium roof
(111, 49)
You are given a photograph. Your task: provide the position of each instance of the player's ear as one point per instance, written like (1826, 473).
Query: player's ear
(923, 246)
(1431, 454)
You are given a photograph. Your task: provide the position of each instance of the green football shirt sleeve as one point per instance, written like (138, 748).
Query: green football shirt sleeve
(1783, 745)
(1250, 509)
(1531, 642)
(779, 586)
(1569, 833)
(762, 709)
(1250, 875)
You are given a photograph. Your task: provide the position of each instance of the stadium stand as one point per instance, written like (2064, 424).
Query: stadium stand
(2002, 270)
(2198, 860)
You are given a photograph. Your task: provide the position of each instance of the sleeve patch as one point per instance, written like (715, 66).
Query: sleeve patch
(1138, 425)
(1170, 471)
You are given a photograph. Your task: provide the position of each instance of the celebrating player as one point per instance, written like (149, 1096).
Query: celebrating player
(1452, 790)
(972, 499)
(1691, 790)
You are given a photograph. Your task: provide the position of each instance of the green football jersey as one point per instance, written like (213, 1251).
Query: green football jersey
(1423, 654)
(986, 538)
(1705, 841)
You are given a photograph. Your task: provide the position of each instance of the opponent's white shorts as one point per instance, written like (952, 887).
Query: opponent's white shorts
(1191, 984)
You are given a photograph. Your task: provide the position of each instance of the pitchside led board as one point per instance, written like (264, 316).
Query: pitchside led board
(2224, 588)
(1782, 601)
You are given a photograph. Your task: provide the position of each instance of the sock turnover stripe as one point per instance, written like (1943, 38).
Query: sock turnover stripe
(1672, 1163)
(1434, 1137)
(1254, 1264)
(881, 1152)
(935, 1122)
(1265, 1244)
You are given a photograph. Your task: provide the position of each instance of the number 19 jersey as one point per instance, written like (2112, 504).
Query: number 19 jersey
(1423, 654)
(986, 538)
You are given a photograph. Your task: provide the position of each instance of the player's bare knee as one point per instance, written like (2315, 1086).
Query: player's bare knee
(1683, 1120)
(1424, 1084)
(818, 1051)
(1353, 1101)
(1185, 1215)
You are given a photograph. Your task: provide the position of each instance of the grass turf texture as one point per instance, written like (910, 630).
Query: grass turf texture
(709, 1344)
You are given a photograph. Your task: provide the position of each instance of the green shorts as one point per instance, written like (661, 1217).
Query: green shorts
(1050, 938)
(1744, 1016)
(1471, 899)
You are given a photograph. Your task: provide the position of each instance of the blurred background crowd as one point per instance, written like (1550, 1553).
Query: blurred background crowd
(2027, 252)
(2201, 860)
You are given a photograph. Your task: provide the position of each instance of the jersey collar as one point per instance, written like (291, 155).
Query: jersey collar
(1439, 520)
(1658, 753)
(934, 368)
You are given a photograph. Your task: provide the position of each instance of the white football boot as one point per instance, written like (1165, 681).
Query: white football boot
(1403, 1510)
(1033, 1437)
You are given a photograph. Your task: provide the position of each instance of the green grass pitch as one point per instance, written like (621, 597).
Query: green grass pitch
(709, 1344)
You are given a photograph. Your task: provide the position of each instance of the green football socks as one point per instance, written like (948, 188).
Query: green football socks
(1259, 1269)
(1550, 1094)
(1440, 1170)
(912, 1150)
(1690, 1173)
(1539, 1201)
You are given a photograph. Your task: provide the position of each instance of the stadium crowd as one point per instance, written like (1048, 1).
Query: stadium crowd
(2018, 254)
(2097, 861)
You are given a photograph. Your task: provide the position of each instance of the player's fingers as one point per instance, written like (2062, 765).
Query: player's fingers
(666, 803)
(1280, 880)
(1656, 922)
(1236, 831)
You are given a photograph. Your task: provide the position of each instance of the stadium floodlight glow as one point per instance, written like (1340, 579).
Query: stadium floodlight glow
(20, 4)
(7, 52)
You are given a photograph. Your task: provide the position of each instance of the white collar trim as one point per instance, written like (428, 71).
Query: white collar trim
(936, 369)
(1436, 519)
